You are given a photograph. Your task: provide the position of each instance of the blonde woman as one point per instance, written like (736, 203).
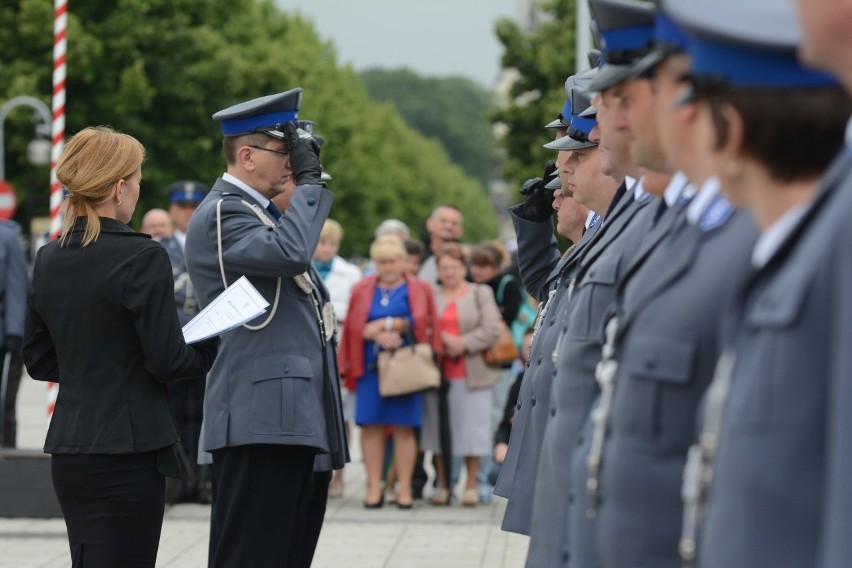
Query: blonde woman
(102, 323)
(469, 322)
(383, 309)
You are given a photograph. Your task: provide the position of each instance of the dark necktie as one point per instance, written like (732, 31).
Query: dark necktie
(273, 210)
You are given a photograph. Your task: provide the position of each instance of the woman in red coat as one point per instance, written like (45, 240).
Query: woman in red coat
(382, 310)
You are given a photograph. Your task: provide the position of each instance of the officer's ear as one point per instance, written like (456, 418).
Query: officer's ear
(731, 144)
(245, 158)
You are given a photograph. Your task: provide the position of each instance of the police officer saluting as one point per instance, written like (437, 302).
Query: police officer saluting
(272, 403)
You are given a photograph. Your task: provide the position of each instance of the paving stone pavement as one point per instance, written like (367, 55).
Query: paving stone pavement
(352, 537)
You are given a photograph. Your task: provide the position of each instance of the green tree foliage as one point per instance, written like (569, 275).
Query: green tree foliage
(452, 110)
(543, 59)
(158, 69)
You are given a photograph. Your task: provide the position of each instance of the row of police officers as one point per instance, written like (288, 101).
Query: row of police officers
(687, 398)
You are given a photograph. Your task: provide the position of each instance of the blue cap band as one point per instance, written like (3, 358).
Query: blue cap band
(566, 112)
(584, 125)
(249, 124)
(668, 33)
(749, 67)
(626, 39)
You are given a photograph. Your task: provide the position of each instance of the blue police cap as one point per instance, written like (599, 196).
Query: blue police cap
(578, 132)
(564, 118)
(669, 38)
(187, 191)
(624, 29)
(266, 114)
(726, 47)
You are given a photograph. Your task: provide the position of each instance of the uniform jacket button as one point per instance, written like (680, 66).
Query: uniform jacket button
(532, 400)
(518, 406)
(312, 201)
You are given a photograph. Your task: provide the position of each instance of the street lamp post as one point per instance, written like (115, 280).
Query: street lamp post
(35, 150)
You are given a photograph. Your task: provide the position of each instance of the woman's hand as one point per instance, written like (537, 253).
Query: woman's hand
(500, 451)
(388, 340)
(454, 346)
(372, 329)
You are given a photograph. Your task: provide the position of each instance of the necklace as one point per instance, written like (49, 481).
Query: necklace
(387, 294)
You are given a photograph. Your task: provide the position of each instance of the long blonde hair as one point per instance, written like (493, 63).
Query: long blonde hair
(93, 161)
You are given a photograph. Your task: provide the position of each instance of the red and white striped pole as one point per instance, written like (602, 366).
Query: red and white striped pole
(57, 136)
(57, 130)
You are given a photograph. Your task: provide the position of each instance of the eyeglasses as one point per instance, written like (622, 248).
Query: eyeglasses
(282, 152)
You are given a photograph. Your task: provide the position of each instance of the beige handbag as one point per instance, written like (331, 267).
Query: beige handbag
(408, 370)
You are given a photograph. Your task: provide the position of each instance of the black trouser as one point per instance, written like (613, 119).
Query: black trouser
(10, 423)
(261, 507)
(316, 516)
(113, 508)
(187, 402)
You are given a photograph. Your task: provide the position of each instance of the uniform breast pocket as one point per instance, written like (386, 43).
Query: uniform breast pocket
(654, 402)
(282, 399)
(780, 361)
(595, 293)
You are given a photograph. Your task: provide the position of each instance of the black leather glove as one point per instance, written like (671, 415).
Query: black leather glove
(14, 343)
(538, 205)
(304, 156)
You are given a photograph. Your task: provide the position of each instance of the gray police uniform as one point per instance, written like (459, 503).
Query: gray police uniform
(187, 305)
(278, 386)
(592, 290)
(14, 282)
(781, 493)
(580, 539)
(546, 276)
(666, 348)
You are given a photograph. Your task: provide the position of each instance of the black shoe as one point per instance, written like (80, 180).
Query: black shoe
(377, 505)
(404, 506)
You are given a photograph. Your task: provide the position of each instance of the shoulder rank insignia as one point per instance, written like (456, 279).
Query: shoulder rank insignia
(716, 215)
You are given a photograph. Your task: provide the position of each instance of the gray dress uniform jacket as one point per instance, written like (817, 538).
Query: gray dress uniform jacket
(781, 494)
(574, 388)
(541, 266)
(580, 539)
(667, 346)
(13, 281)
(277, 385)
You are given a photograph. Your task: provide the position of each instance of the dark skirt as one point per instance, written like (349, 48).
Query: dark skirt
(113, 507)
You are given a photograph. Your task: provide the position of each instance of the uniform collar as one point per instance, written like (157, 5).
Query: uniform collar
(636, 185)
(255, 194)
(180, 238)
(674, 188)
(771, 239)
(702, 200)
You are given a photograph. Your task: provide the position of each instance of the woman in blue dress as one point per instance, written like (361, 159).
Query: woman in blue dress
(385, 309)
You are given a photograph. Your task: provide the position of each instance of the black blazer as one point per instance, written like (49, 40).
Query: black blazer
(102, 322)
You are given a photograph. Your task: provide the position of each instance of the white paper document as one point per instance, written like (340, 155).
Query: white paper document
(239, 303)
